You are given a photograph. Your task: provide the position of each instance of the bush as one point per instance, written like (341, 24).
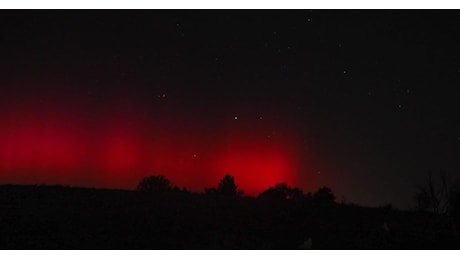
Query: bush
(154, 184)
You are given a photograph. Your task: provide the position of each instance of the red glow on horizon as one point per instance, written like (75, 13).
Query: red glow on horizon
(62, 150)
(257, 164)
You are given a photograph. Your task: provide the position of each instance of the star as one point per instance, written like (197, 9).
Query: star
(236, 117)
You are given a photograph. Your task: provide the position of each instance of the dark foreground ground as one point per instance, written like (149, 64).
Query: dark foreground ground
(48, 217)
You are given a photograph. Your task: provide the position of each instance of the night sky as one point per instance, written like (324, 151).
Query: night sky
(365, 102)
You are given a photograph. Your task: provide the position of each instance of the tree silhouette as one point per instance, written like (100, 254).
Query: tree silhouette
(324, 197)
(441, 196)
(227, 187)
(455, 210)
(281, 192)
(154, 184)
(422, 199)
(438, 196)
(210, 191)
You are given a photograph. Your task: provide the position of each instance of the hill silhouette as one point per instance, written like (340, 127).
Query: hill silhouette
(56, 217)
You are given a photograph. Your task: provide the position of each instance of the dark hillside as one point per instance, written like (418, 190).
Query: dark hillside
(54, 217)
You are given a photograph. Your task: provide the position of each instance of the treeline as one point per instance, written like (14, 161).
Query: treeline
(227, 189)
(439, 194)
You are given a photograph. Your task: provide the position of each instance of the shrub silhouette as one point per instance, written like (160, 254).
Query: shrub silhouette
(324, 197)
(281, 192)
(210, 191)
(154, 184)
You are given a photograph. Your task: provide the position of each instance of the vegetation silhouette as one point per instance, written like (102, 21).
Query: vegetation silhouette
(282, 192)
(226, 188)
(281, 217)
(324, 197)
(441, 195)
(155, 184)
(437, 194)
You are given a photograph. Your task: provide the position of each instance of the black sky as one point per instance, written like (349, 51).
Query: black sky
(371, 97)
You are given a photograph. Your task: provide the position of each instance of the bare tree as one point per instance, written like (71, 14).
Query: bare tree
(435, 195)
